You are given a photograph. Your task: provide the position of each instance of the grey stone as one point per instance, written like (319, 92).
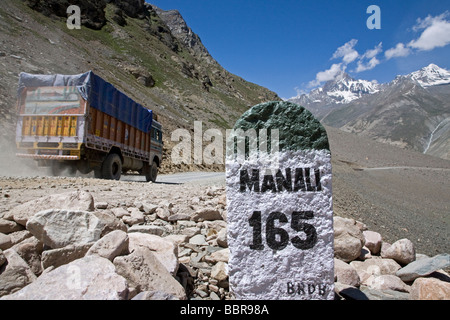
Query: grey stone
(423, 267)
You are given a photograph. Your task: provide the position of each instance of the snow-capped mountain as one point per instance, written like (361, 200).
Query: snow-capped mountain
(431, 75)
(412, 111)
(343, 89)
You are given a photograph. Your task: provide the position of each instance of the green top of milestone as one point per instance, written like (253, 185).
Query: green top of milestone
(298, 128)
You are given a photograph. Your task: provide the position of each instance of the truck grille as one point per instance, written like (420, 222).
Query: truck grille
(54, 145)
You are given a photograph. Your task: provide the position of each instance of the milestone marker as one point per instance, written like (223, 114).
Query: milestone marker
(279, 202)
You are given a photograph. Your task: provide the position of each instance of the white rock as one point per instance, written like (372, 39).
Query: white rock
(89, 278)
(59, 228)
(402, 251)
(145, 272)
(164, 250)
(372, 241)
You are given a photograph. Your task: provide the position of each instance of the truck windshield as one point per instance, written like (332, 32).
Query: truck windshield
(52, 100)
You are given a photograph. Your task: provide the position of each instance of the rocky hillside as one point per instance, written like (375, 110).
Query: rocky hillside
(149, 54)
(411, 112)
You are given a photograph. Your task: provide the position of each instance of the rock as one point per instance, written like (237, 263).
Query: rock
(110, 246)
(430, 289)
(149, 208)
(154, 295)
(220, 271)
(402, 251)
(164, 250)
(5, 241)
(144, 272)
(388, 282)
(61, 256)
(373, 294)
(89, 278)
(348, 292)
(110, 221)
(222, 238)
(74, 201)
(2, 258)
(423, 267)
(374, 267)
(206, 214)
(135, 217)
(30, 250)
(348, 239)
(7, 226)
(198, 239)
(179, 216)
(218, 256)
(101, 205)
(345, 273)
(372, 241)
(15, 274)
(92, 12)
(149, 229)
(59, 228)
(163, 213)
(120, 212)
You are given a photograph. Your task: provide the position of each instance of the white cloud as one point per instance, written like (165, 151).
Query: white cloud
(436, 32)
(326, 75)
(346, 52)
(398, 51)
(369, 55)
(369, 65)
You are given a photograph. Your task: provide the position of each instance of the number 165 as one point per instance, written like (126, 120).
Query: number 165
(278, 238)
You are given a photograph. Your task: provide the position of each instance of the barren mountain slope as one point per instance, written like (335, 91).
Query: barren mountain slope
(399, 193)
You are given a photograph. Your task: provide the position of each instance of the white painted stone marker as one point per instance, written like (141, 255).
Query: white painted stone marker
(279, 202)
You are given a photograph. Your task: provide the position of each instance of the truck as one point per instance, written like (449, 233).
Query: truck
(83, 123)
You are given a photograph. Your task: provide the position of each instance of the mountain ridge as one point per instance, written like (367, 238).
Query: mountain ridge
(411, 111)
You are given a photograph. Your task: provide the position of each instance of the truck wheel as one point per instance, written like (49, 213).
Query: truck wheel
(151, 172)
(112, 167)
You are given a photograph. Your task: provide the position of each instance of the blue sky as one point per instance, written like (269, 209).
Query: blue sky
(292, 46)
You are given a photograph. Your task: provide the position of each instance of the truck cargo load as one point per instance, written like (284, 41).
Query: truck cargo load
(82, 122)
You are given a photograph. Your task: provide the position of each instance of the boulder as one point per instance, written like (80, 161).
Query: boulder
(59, 228)
(5, 241)
(78, 200)
(430, 289)
(348, 239)
(164, 250)
(135, 217)
(149, 229)
(30, 250)
(144, 272)
(220, 271)
(374, 267)
(15, 274)
(388, 282)
(402, 251)
(208, 214)
(423, 267)
(345, 273)
(61, 256)
(110, 246)
(372, 241)
(8, 226)
(89, 278)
